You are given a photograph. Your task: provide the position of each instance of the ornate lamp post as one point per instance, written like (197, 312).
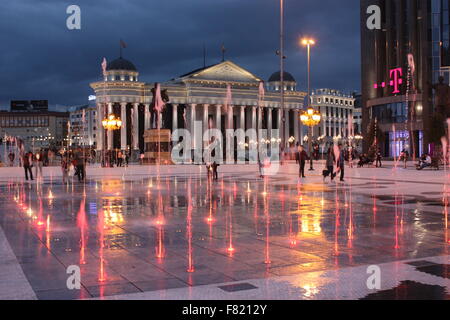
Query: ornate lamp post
(310, 118)
(111, 123)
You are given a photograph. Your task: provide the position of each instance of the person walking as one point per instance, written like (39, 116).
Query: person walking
(301, 159)
(27, 162)
(378, 159)
(65, 169)
(80, 165)
(329, 163)
(11, 157)
(404, 156)
(341, 163)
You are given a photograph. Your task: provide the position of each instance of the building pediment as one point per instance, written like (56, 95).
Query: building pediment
(226, 71)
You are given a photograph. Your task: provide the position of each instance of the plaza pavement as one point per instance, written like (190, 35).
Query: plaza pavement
(312, 267)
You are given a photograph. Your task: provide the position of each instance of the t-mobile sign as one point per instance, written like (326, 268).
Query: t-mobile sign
(396, 80)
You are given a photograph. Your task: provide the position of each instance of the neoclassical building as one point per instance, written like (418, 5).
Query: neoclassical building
(199, 95)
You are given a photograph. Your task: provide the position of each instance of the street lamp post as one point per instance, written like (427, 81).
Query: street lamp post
(308, 43)
(282, 57)
(310, 118)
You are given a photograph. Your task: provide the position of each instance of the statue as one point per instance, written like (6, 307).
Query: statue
(154, 113)
(442, 95)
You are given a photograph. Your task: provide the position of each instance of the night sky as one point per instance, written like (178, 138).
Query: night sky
(41, 59)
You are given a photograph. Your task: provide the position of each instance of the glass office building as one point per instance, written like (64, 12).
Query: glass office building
(400, 61)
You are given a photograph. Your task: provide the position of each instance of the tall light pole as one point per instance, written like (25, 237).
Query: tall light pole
(282, 57)
(308, 42)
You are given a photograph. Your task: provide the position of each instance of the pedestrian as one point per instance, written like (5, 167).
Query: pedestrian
(27, 162)
(378, 159)
(119, 159)
(11, 157)
(341, 163)
(350, 156)
(65, 169)
(329, 163)
(404, 156)
(301, 159)
(215, 166)
(80, 165)
(39, 163)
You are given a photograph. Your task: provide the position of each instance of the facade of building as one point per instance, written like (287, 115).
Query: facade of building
(400, 61)
(337, 110)
(196, 96)
(39, 129)
(83, 126)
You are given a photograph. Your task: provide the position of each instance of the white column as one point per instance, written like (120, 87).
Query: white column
(253, 118)
(174, 117)
(296, 126)
(205, 122)
(205, 117)
(100, 131)
(287, 125)
(280, 120)
(147, 125)
(136, 126)
(242, 118)
(110, 132)
(260, 115)
(219, 117)
(192, 124)
(123, 129)
(230, 112)
(269, 120)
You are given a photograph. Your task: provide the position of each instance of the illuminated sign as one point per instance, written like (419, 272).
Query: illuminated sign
(395, 82)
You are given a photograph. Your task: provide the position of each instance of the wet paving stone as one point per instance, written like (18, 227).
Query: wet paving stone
(149, 234)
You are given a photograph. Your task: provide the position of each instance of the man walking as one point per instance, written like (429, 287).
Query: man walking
(301, 159)
(27, 163)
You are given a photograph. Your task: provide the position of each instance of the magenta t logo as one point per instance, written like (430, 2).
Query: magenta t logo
(396, 79)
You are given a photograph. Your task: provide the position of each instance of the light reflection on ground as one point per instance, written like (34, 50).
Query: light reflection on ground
(149, 234)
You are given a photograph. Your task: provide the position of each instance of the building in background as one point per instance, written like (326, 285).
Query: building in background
(338, 109)
(399, 63)
(357, 113)
(199, 95)
(83, 126)
(37, 129)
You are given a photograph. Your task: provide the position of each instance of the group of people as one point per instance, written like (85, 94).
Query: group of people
(74, 158)
(116, 158)
(30, 160)
(330, 162)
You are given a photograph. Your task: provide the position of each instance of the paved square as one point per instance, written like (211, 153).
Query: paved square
(182, 236)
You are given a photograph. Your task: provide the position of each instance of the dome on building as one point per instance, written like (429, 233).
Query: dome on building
(121, 64)
(276, 77)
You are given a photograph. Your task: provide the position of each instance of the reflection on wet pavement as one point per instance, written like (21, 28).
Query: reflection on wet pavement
(132, 236)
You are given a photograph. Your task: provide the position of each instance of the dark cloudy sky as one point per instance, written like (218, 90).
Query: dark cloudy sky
(41, 59)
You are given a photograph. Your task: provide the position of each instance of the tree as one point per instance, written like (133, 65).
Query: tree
(373, 131)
